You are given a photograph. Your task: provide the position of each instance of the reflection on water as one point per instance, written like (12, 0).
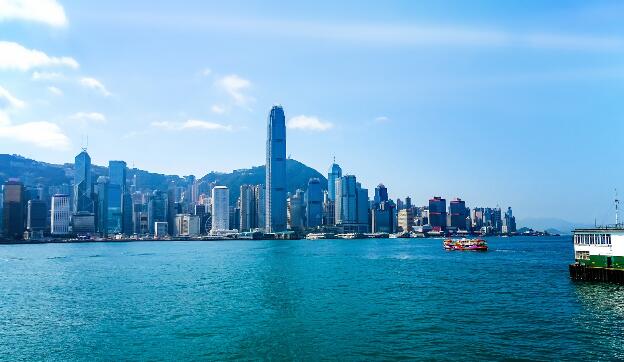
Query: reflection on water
(601, 317)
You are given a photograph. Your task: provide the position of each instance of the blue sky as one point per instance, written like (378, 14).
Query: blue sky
(508, 103)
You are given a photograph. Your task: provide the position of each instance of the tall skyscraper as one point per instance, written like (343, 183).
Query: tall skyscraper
(247, 208)
(120, 211)
(220, 209)
(260, 196)
(83, 187)
(13, 209)
(37, 217)
(296, 212)
(437, 213)
(335, 172)
(102, 213)
(59, 224)
(117, 174)
(276, 171)
(458, 213)
(157, 210)
(351, 208)
(314, 203)
(381, 194)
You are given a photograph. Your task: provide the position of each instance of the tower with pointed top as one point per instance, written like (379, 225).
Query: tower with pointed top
(83, 187)
(276, 171)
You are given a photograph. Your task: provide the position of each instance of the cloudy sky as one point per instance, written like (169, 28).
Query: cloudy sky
(504, 103)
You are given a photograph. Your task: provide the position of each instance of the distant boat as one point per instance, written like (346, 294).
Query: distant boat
(465, 244)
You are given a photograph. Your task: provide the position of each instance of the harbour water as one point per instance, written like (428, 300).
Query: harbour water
(336, 299)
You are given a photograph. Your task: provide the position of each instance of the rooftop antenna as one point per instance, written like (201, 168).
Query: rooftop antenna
(617, 215)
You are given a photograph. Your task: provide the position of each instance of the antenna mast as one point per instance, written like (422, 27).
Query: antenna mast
(617, 203)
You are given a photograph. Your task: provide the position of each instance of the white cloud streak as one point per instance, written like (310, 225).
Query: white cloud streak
(14, 56)
(46, 76)
(7, 100)
(40, 134)
(309, 123)
(236, 87)
(48, 12)
(217, 109)
(190, 125)
(56, 91)
(94, 84)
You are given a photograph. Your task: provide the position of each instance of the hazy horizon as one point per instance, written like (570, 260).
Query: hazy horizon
(497, 103)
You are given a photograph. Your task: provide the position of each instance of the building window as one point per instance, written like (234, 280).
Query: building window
(582, 255)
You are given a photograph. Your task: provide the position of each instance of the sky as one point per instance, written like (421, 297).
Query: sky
(500, 103)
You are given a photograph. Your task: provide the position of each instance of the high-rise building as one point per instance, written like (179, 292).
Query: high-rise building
(247, 208)
(220, 209)
(276, 171)
(117, 171)
(102, 216)
(351, 206)
(458, 214)
(314, 203)
(437, 213)
(296, 211)
(59, 224)
(383, 218)
(381, 194)
(260, 196)
(405, 220)
(329, 210)
(83, 187)
(335, 172)
(157, 210)
(120, 209)
(37, 217)
(187, 225)
(509, 222)
(13, 209)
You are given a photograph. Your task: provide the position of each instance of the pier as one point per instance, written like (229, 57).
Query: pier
(596, 274)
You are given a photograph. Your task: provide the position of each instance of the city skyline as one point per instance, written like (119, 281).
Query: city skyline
(428, 99)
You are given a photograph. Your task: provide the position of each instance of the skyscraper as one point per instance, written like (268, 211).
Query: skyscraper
(335, 172)
(296, 210)
(260, 196)
(458, 213)
(13, 209)
(83, 187)
(102, 216)
(220, 209)
(276, 171)
(60, 215)
(437, 213)
(314, 203)
(247, 208)
(157, 210)
(351, 208)
(381, 194)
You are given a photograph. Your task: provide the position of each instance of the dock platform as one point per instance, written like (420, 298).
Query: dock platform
(596, 274)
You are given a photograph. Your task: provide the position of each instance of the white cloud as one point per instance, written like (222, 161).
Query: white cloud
(191, 124)
(7, 100)
(309, 123)
(44, 11)
(15, 56)
(46, 76)
(56, 91)
(95, 84)
(41, 134)
(217, 109)
(236, 87)
(87, 117)
(381, 119)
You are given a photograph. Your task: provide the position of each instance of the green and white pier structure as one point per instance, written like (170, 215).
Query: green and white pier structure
(599, 254)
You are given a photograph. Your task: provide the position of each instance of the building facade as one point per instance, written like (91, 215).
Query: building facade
(276, 218)
(220, 209)
(60, 215)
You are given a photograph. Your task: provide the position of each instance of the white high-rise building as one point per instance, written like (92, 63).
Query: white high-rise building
(220, 209)
(60, 215)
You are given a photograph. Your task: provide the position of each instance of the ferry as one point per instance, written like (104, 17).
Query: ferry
(319, 236)
(599, 252)
(465, 244)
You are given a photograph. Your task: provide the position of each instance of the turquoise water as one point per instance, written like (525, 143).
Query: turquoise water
(330, 299)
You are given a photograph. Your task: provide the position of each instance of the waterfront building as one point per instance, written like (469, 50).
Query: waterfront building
(60, 215)
(157, 210)
(509, 222)
(335, 172)
(83, 223)
(141, 218)
(458, 214)
(437, 213)
(37, 216)
(102, 216)
(173, 194)
(329, 210)
(161, 229)
(405, 220)
(187, 225)
(383, 218)
(259, 194)
(127, 213)
(119, 209)
(314, 203)
(351, 205)
(276, 171)
(83, 187)
(220, 209)
(13, 209)
(247, 208)
(296, 211)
